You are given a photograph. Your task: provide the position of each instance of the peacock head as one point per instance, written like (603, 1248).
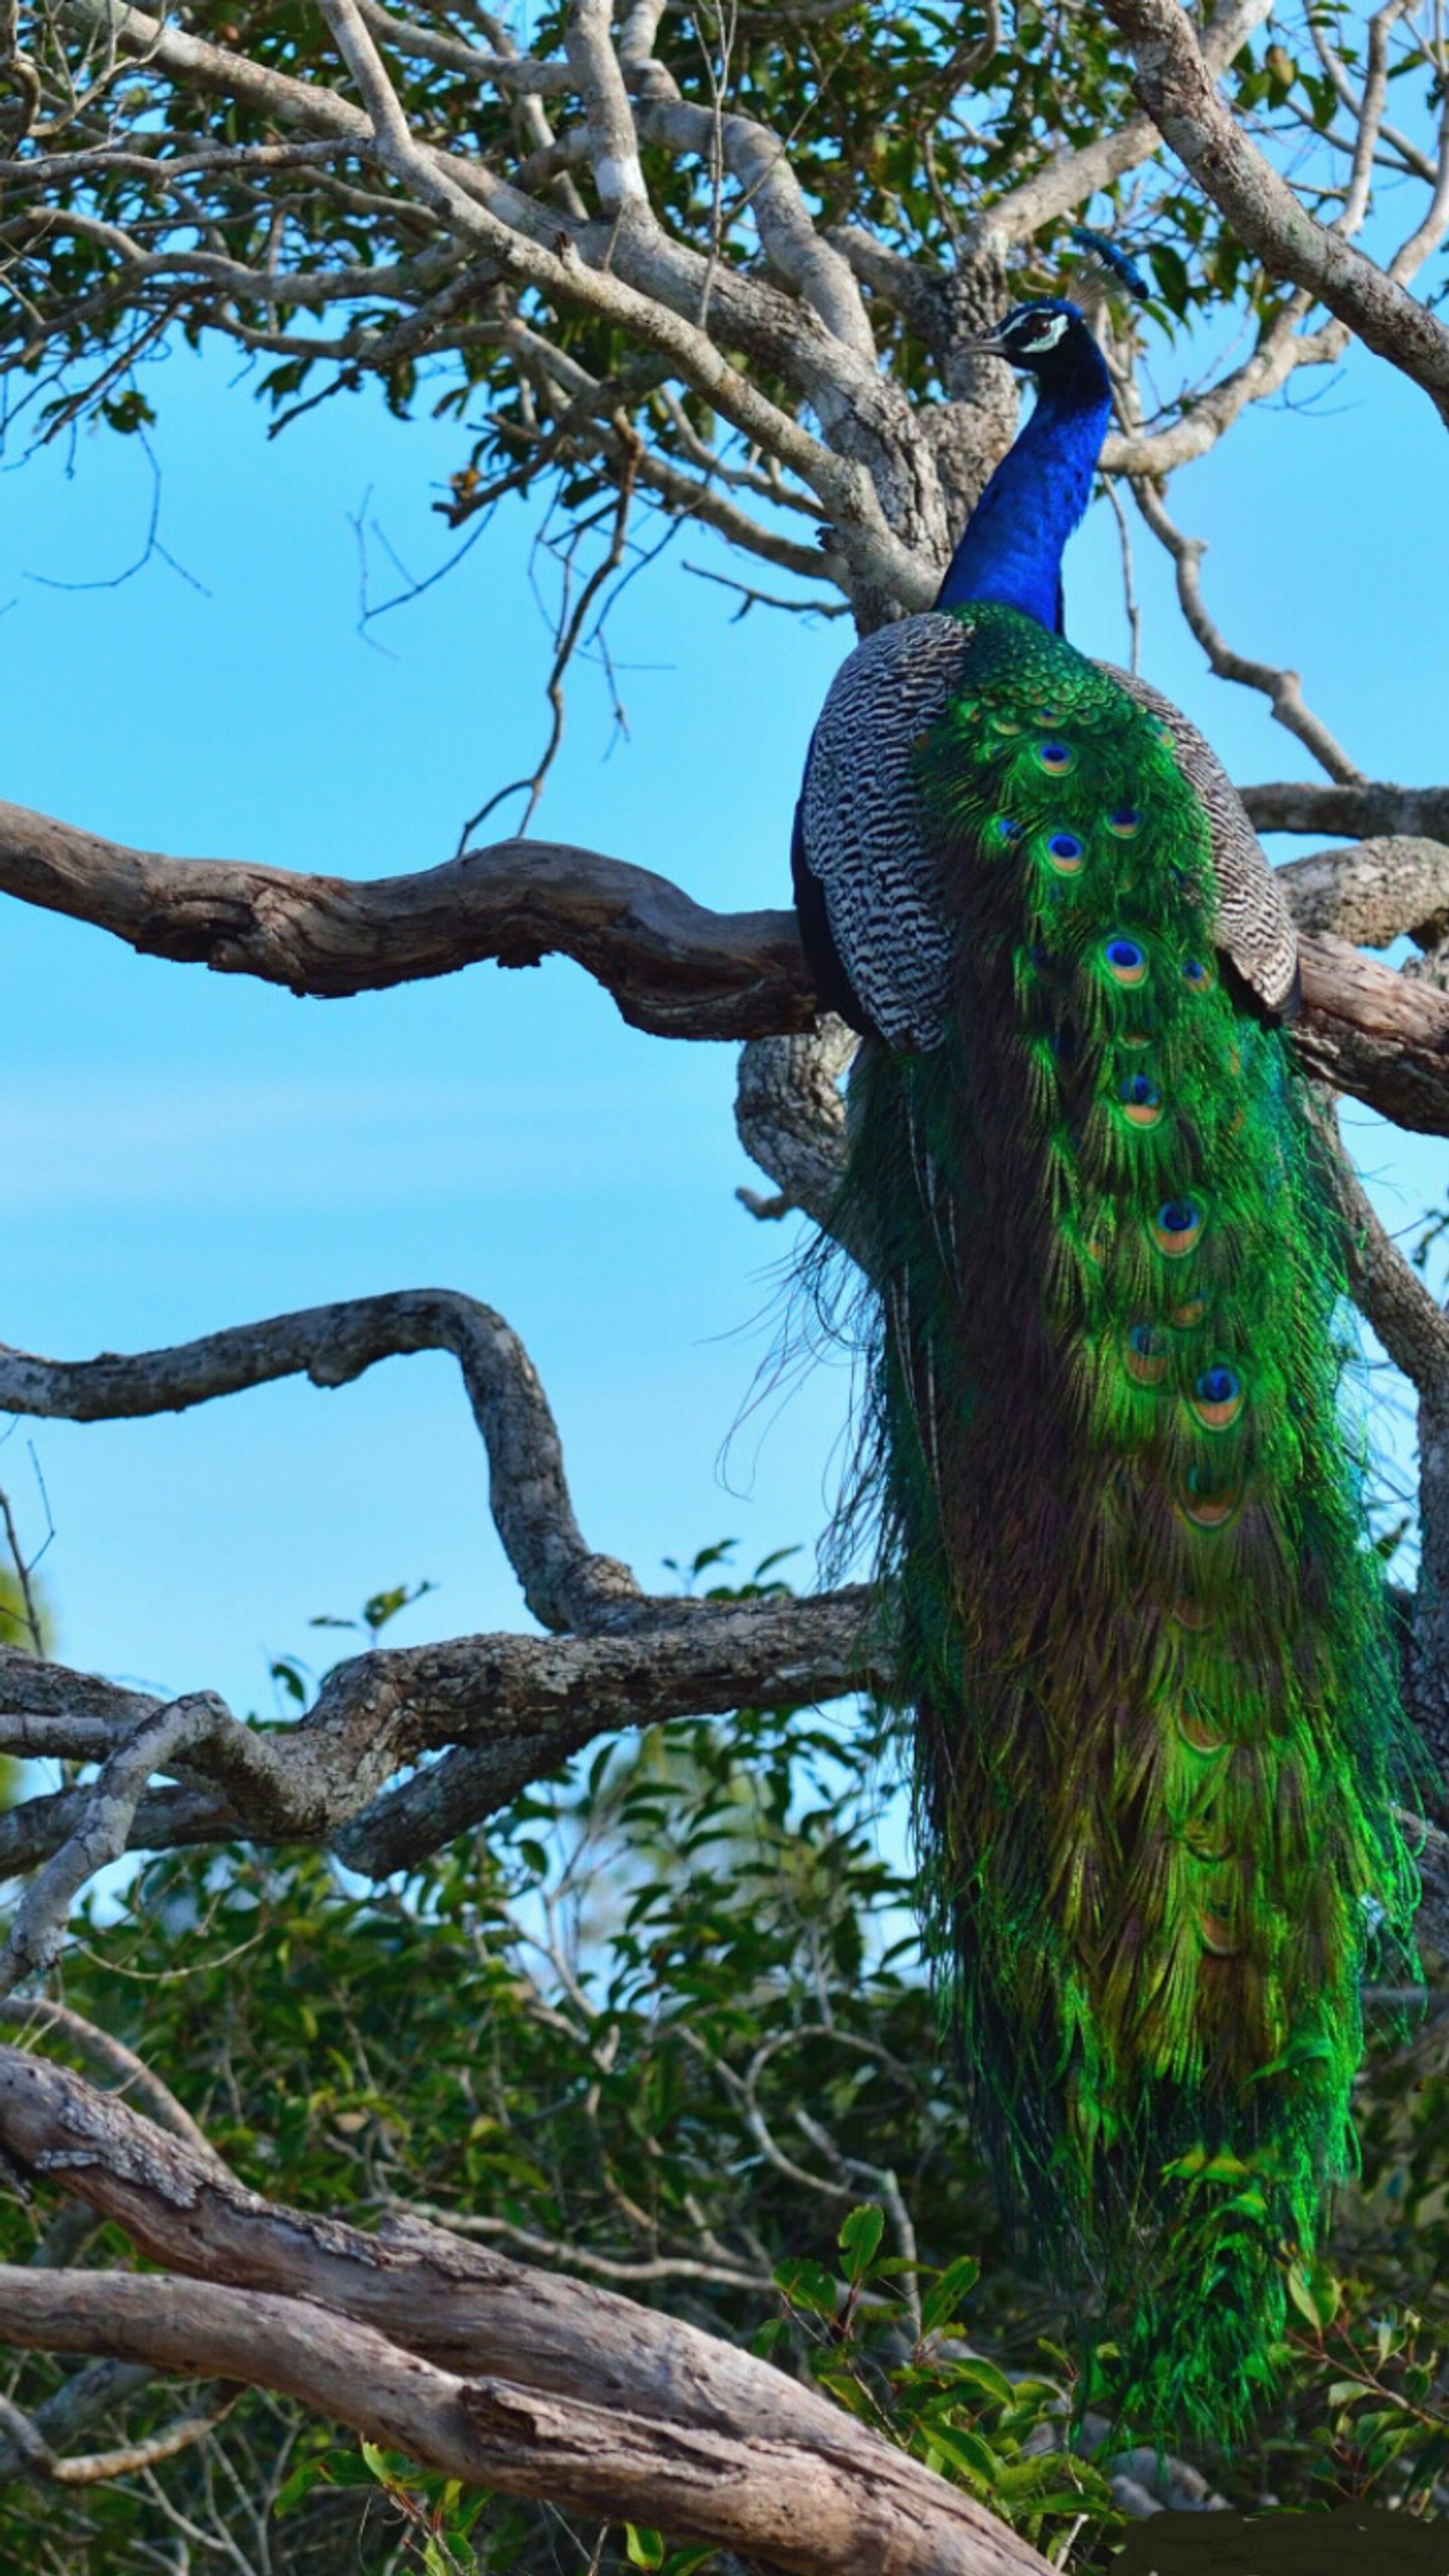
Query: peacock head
(1049, 339)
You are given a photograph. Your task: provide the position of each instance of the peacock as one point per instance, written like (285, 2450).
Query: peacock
(1158, 1749)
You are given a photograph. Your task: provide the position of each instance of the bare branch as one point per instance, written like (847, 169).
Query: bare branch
(1282, 349)
(95, 2468)
(1282, 688)
(1372, 892)
(564, 1582)
(673, 968)
(85, 2399)
(518, 1706)
(570, 2392)
(131, 2073)
(1374, 810)
(1176, 85)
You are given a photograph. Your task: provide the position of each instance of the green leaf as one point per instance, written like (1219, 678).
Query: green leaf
(306, 2475)
(808, 2285)
(978, 2378)
(954, 2446)
(645, 2548)
(860, 2237)
(1315, 2293)
(943, 2300)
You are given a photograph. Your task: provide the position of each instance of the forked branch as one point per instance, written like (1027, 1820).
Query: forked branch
(495, 2373)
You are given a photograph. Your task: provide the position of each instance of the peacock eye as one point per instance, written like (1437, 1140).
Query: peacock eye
(1217, 1397)
(1196, 974)
(1124, 821)
(1004, 829)
(1141, 1100)
(1147, 1354)
(1066, 853)
(1125, 961)
(1207, 1503)
(1177, 1228)
(1056, 758)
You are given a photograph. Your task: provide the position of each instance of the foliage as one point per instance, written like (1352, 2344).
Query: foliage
(667, 2028)
(910, 122)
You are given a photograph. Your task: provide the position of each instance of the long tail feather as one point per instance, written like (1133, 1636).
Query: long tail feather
(1157, 1741)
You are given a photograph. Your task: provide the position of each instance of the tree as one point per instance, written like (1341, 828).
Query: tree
(725, 267)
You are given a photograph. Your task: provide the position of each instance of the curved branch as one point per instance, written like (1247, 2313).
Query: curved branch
(494, 2372)
(518, 1706)
(564, 1583)
(1283, 688)
(674, 968)
(129, 2072)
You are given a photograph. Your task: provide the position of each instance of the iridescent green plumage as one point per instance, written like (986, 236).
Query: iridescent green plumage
(1144, 1639)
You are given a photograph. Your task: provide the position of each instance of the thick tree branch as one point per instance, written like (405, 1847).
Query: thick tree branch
(1374, 892)
(495, 2373)
(519, 1705)
(1373, 810)
(674, 968)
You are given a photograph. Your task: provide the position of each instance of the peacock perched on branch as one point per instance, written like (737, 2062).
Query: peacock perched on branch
(1157, 1739)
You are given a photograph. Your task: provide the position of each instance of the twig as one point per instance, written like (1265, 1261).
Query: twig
(1282, 688)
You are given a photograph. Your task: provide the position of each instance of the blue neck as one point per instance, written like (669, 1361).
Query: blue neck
(1015, 537)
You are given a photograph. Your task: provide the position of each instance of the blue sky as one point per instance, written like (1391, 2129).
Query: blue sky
(189, 1150)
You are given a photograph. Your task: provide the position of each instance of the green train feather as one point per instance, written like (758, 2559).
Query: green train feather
(1157, 1746)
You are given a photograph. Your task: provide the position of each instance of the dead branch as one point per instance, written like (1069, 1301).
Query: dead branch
(1282, 688)
(674, 968)
(564, 1582)
(495, 2373)
(1375, 809)
(518, 1706)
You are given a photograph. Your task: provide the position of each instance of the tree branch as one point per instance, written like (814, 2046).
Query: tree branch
(1376, 808)
(673, 968)
(565, 1584)
(1176, 86)
(1282, 688)
(481, 2367)
(1069, 180)
(519, 1705)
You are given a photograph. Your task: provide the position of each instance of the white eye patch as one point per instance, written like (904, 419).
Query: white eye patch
(1045, 336)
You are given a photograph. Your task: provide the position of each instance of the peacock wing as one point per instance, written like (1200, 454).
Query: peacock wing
(866, 880)
(1254, 927)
